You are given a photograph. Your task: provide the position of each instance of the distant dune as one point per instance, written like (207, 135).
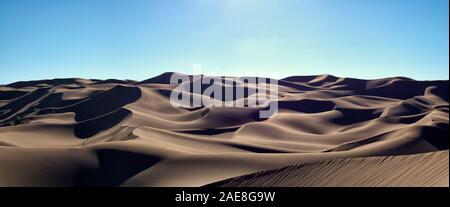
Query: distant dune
(329, 131)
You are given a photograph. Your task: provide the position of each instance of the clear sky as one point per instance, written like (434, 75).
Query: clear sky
(138, 39)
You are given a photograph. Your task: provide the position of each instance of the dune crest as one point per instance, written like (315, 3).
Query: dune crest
(127, 133)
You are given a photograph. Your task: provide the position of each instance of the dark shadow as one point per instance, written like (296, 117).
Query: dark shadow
(106, 102)
(210, 131)
(9, 95)
(51, 82)
(20, 103)
(255, 149)
(436, 136)
(307, 105)
(351, 116)
(90, 128)
(406, 89)
(115, 167)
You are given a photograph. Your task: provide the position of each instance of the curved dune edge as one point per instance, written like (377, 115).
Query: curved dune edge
(420, 170)
(81, 132)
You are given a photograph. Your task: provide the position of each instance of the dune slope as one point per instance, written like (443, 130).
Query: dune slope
(419, 170)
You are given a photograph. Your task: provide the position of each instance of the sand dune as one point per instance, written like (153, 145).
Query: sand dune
(72, 132)
(419, 170)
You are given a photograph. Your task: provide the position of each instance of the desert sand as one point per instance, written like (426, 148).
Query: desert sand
(329, 131)
(425, 169)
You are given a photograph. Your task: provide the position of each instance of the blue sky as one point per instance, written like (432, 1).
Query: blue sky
(138, 39)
